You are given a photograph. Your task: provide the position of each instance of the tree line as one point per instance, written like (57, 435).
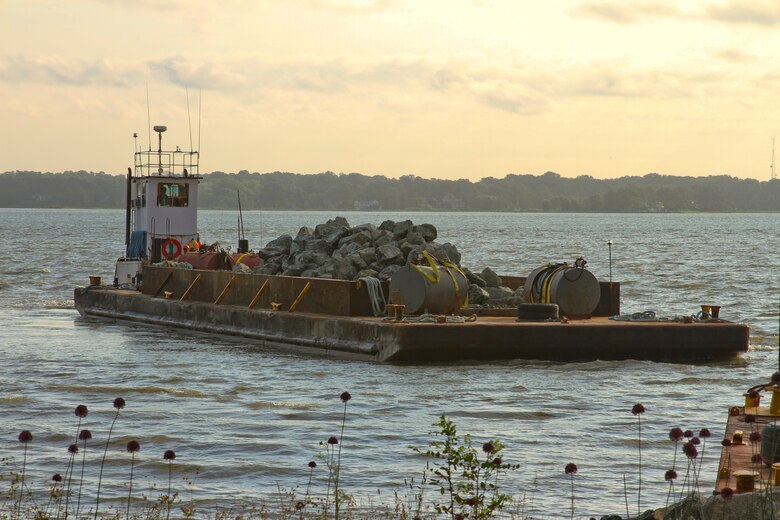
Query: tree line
(331, 191)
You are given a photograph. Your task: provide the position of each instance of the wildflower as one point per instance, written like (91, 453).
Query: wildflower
(688, 434)
(726, 442)
(497, 461)
(690, 450)
(776, 377)
(755, 437)
(299, 506)
(25, 436)
(750, 418)
(85, 435)
(73, 448)
(670, 475)
(488, 447)
(345, 396)
(133, 446)
(695, 440)
(638, 409)
(312, 464)
(333, 440)
(81, 411)
(169, 455)
(757, 458)
(727, 493)
(570, 469)
(471, 502)
(57, 477)
(704, 433)
(675, 434)
(119, 403)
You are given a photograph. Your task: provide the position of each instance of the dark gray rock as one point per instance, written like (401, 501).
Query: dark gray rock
(477, 295)
(319, 245)
(336, 235)
(293, 270)
(368, 255)
(338, 224)
(361, 237)
(268, 268)
(411, 242)
(347, 250)
(389, 254)
(401, 229)
(337, 267)
(427, 231)
(304, 234)
(473, 278)
(491, 278)
(358, 261)
(444, 252)
(277, 247)
(384, 239)
(363, 273)
(363, 227)
(387, 273)
(500, 292)
(387, 225)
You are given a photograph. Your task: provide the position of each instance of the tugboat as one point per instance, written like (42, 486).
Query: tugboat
(168, 278)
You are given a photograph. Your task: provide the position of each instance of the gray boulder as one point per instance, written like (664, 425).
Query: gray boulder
(401, 229)
(340, 268)
(387, 225)
(361, 238)
(473, 278)
(319, 245)
(268, 268)
(363, 273)
(477, 295)
(427, 231)
(389, 254)
(357, 261)
(368, 255)
(363, 227)
(304, 234)
(497, 293)
(384, 239)
(387, 273)
(336, 235)
(277, 247)
(491, 278)
(411, 242)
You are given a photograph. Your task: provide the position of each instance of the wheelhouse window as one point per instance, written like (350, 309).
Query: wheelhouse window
(173, 194)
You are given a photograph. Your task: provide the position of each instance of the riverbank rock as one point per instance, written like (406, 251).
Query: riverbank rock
(335, 249)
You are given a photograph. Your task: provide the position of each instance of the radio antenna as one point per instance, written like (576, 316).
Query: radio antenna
(200, 104)
(189, 119)
(148, 117)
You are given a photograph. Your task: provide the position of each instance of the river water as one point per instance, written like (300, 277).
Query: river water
(245, 420)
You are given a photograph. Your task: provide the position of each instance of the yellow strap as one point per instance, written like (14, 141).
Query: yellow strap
(449, 266)
(238, 260)
(545, 296)
(435, 277)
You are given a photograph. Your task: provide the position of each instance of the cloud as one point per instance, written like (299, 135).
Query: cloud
(625, 12)
(734, 55)
(753, 12)
(351, 6)
(58, 71)
(750, 12)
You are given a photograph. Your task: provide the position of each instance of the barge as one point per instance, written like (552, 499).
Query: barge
(428, 318)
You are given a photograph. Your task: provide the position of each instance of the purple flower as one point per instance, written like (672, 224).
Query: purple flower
(688, 434)
(81, 411)
(169, 455)
(757, 458)
(299, 506)
(56, 477)
(696, 441)
(638, 409)
(727, 493)
(670, 475)
(726, 442)
(25, 436)
(750, 418)
(345, 396)
(133, 446)
(675, 434)
(73, 448)
(85, 435)
(333, 440)
(704, 433)
(755, 437)
(690, 450)
(312, 464)
(488, 447)
(471, 502)
(570, 468)
(497, 461)
(119, 403)
(776, 377)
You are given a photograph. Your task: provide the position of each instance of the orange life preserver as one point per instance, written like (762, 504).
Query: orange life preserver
(171, 248)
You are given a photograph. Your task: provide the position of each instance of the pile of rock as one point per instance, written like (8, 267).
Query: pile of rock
(340, 251)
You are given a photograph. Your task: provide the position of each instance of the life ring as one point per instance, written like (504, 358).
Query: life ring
(171, 248)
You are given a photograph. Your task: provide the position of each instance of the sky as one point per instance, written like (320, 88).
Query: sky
(436, 88)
